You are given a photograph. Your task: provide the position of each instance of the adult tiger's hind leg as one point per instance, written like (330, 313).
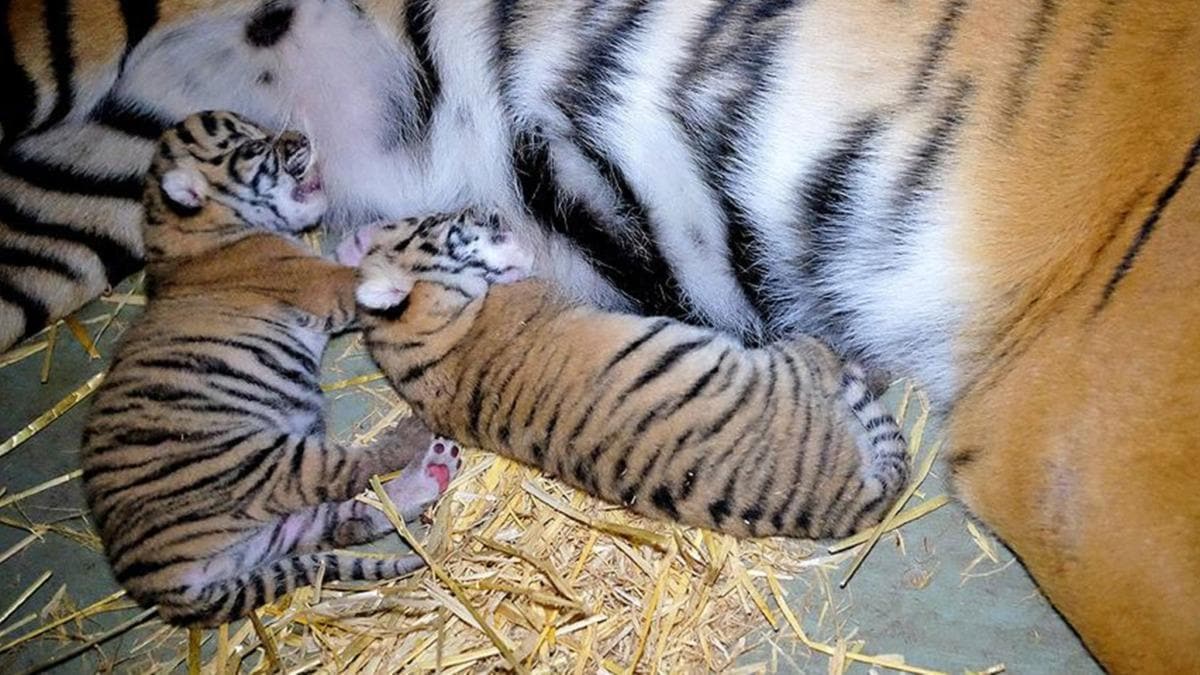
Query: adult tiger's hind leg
(1084, 454)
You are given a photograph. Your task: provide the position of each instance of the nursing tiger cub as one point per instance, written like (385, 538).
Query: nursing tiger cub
(672, 420)
(206, 462)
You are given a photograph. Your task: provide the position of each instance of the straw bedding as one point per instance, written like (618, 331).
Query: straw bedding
(525, 574)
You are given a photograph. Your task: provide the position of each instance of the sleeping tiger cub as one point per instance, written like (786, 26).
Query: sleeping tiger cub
(206, 463)
(672, 420)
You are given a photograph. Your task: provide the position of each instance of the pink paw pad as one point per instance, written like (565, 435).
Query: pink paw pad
(444, 463)
(440, 473)
(355, 246)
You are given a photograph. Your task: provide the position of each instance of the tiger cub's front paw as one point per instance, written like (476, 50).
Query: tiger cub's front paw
(354, 247)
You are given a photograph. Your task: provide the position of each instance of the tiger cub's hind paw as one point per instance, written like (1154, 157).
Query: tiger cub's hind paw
(426, 478)
(443, 462)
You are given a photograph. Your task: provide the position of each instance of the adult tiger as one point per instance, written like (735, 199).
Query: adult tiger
(996, 198)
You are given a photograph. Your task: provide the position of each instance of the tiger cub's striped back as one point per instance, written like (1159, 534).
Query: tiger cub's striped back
(672, 420)
(206, 464)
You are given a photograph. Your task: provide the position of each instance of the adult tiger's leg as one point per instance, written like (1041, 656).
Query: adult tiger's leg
(1084, 453)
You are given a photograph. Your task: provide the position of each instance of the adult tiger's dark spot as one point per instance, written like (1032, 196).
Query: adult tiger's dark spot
(963, 458)
(269, 25)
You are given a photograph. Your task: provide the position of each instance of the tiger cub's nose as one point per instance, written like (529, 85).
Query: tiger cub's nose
(295, 151)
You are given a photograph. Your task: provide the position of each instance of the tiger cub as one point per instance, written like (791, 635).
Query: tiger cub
(672, 420)
(206, 462)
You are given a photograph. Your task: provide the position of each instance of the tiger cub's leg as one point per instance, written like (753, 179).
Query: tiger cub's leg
(225, 600)
(351, 522)
(277, 557)
(324, 293)
(316, 470)
(883, 452)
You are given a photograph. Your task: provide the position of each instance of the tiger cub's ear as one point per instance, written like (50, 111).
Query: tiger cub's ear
(383, 292)
(185, 188)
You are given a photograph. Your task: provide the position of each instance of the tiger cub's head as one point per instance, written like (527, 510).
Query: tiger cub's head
(466, 251)
(217, 177)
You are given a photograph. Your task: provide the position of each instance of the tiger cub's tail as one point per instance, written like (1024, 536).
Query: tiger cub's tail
(230, 599)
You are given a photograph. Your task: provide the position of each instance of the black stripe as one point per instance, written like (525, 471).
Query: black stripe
(691, 394)
(1083, 59)
(656, 327)
(220, 480)
(62, 62)
(200, 447)
(159, 393)
(475, 401)
(1149, 226)
(418, 20)
(1033, 44)
(717, 144)
(191, 456)
(498, 386)
(936, 144)
(638, 279)
(746, 254)
(269, 25)
(831, 189)
(140, 16)
(297, 351)
(713, 24)
(271, 399)
(237, 607)
(506, 17)
(767, 10)
(263, 356)
(663, 296)
(208, 120)
(936, 46)
(143, 567)
(665, 362)
(826, 200)
(797, 400)
(592, 85)
(504, 433)
(17, 257)
(68, 179)
(717, 425)
(415, 371)
(723, 418)
(260, 587)
(118, 260)
(36, 313)
(764, 424)
(20, 94)
(719, 510)
(185, 136)
(129, 118)
(664, 501)
(551, 426)
(836, 508)
(804, 519)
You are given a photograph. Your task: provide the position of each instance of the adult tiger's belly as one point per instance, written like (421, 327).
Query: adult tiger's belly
(817, 230)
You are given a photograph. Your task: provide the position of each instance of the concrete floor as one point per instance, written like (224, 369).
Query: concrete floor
(917, 599)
